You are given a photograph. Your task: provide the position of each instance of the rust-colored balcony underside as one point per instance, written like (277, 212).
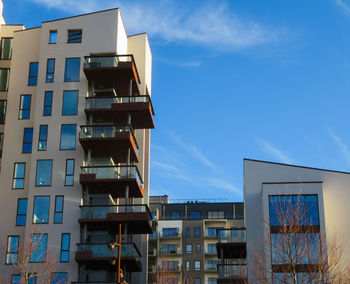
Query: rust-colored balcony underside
(232, 280)
(131, 263)
(117, 147)
(141, 114)
(116, 187)
(137, 222)
(114, 77)
(232, 250)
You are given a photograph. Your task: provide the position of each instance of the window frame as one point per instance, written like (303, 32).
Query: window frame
(21, 214)
(31, 243)
(43, 140)
(64, 113)
(65, 250)
(53, 32)
(57, 211)
(27, 143)
(48, 210)
(45, 106)
(75, 30)
(51, 72)
(18, 178)
(69, 175)
(65, 69)
(33, 76)
(13, 275)
(75, 140)
(36, 173)
(187, 250)
(2, 38)
(8, 80)
(21, 109)
(10, 252)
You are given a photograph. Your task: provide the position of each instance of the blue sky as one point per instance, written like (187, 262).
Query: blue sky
(266, 80)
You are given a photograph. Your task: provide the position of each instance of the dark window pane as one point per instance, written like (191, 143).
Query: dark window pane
(68, 135)
(53, 37)
(3, 105)
(4, 79)
(27, 140)
(65, 244)
(69, 179)
(43, 173)
(38, 248)
(41, 209)
(33, 73)
(6, 48)
(48, 103)
(1, 143)
(21, 212)
(72, 70)
(70, 103)
(42, 146)
(50, 71)
(15, 279)
(74, 36)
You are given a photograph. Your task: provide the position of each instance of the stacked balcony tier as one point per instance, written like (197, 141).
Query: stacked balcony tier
(232, 273)
(231, 243)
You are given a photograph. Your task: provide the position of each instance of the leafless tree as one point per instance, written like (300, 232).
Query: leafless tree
(166, 275)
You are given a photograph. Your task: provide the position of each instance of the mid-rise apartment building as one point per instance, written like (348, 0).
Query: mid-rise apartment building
(76, 151)
(183, 246)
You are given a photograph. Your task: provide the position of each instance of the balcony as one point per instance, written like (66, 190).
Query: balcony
(112, 179)
(170, 235)
(136, 217)
(112, 71)
(114, 140)
(171, 252)
(210, 251)
(152, 252)
(231, 243)
(232, 273)
(210, 268)
(116, 109)
(104, 253)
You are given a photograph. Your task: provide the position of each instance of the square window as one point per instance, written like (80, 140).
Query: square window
(6, 48)
(15, 279)
(21, 212)
(175, 215)
(24, 107)
(195, 215)
(47, 103)
(53, 37)
(27, 140)
(43, 173)
(41, 209)
(74, 36)
(72, 70)
(38, 248)
(18, 175)
(70, 103)
(50, 70)
(4, 79)
(68, 136)
(197, 265)
(42, 145)
(33, 73)
(197, 280)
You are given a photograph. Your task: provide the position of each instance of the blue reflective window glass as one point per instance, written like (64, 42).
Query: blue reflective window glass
(70, 103)
(72, 70)
(27, 140)
(33, 73)
(16, 279)
(38, 248)
(32, 278)
(59, 278)
(53, 37)
(69, 178)
(311, 204)
(195, 215)
(21, 212)
(50, 70)
(18, 175)
(42, 145)
(169, 232)
(12, 249)
(24, 107)
(74, 36)
(175, 215)
(43, 173)
(58, 216)
(47, 103)
(68, 136)
(65, 244)
(197, 232)
(41, 209)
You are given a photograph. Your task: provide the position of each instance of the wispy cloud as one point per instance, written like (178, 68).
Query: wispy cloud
(345, 6)
(211, 25)
(343, 148)
(275, 152)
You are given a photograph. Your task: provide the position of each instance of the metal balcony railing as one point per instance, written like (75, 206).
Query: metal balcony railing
(105, 250)
(106, 61)
(233, 235)
(232, 271)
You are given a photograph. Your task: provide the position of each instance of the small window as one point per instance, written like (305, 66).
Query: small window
(18, 175)
(42, 145)
(70, 103)
(3, 105)
(175, 215)
(68, 136)
(12, 249)
(197, 265)
(15, 279)
(58, 215)
(27, 140)
(4, 79)
(41, 209)
(21, 212)
(65, 244)
(43, 173)
(212, 249)
(24, 107)
(1, 143)
(53, 37)
(187, 265)
(32, 278)
(74, 36)
(38, 248)
(59, 278)
(188, 249)
(72, 70)
(187, 232)
(197, 232)
(33, 73)
(195, 215)
(50, 70)
(6, 48)
(69, 179)
(198, 248)
(47, 103)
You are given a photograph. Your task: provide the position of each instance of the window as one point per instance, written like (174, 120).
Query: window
(27, 140)
(6, 48)
(38, 248)
(33, 73)
(18, 175)
(43, 173)
(42, 145)
(170, 232)
(50, 70)
(197, 232)
(68, 135)
(4, 79)
(216, 215)
(197, 280)
(169, 248)
(70, 103)
(198, 248)
(15, 279)
(12, 249)
(72, 70)
(58, 215)
(212, 231)
(211, 249)
(239, 211)
(170, 265)
(187, 232)
(65, 244)
(187, 265)
(1, 143)
(41, 209)
(195, 215)
(212, 280)
(47, 103)
(32, 278)
(188, 249)
(59, 278)
(21, 216)
(69, 179)
(53, 37)
(3, 105)
(24, 107)
(74, 36)
(234, 233)
(197, 265)
(175, 215)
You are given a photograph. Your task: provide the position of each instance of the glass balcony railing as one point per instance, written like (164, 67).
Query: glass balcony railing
(106, 250)
(106, 61)
(101, 211)
(105, 131)
(232, 271)
(170, 251)
(211, 266)
(170, 234)
(210, 250)
(106, 102)
(113, 172)
(231, 235)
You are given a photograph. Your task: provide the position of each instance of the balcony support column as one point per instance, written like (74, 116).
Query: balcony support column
(89, 157)
(130, 88)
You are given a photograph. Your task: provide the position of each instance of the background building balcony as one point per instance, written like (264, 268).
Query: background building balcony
(232, 273)
(231, 243)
